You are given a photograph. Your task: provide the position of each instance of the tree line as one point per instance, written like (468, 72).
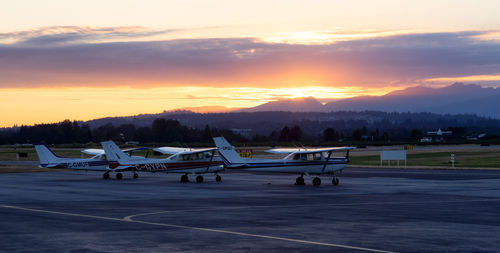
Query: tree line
(67, 132)
(164, 130)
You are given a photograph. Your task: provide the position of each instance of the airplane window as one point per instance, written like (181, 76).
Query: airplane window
(303, 156)
(193, 157)
(185, 158)
(103, 158)
(317, 156)
(310, 157)
(208, 154)
(296, 157)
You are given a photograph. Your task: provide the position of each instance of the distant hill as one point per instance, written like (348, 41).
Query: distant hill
(312, 123)
(205, 109)
(454, 99)
(424, 99)
(308, 104)
(423, 103)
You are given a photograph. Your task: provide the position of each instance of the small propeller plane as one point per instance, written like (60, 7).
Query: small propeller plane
(98, 162)
(185, 161)
(316, 161)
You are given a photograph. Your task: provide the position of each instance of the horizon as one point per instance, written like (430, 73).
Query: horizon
(222, 109)
(59, 62)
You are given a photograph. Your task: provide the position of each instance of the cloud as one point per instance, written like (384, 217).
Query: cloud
(63, 35)
(78, 57)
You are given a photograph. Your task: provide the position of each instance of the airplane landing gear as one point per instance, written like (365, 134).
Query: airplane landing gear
(199, 179)
(218, 178)
(300, 180)
(184, 178)
(105, 175)
(119, 176)
(316, 181)
(335, 181)
(136, 176)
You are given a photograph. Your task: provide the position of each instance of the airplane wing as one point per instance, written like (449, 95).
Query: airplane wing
(199, 150)
(176, 150)
(306, 150)
(93, 151)
(171, 150)
(97, 151)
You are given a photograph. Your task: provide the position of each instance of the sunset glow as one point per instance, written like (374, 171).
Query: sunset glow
(56, 104)
(59, 62)
(475, 78)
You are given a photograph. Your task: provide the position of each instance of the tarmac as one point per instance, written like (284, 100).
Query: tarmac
(371, 210)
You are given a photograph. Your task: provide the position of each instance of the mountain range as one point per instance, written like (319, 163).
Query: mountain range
(457, 98)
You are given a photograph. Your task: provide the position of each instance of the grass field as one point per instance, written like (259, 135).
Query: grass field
(476, 159)
(9, 154)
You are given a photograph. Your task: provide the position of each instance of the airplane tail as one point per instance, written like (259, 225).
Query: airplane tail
(227, 152)
(114, 153)
(45, 155)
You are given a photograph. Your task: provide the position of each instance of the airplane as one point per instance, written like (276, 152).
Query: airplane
(440, 132)
(187, 161)
(317, 161)
(98, 162)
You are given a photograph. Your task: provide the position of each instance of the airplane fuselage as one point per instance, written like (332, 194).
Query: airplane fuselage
(292, 166)
(176, 167)
(77, 164)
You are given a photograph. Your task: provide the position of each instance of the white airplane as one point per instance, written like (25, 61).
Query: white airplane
(98, 162)
(440, 132)
(317, 161)
(196, 161)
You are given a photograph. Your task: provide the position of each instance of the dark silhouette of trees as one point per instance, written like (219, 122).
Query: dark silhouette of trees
(169, 130)
(290, 134)
(207, 134)
(415, 133)
(262, 127)
(330, 134)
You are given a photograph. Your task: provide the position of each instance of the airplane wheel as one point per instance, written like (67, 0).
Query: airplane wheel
(335, 181)
(218, 178)
(316, 181)
(119, 176)
(105, 176)
(184, 179)
(199, 179)
(299, 181)
(136, 176)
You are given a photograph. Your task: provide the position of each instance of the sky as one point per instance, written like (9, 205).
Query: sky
(81, 60)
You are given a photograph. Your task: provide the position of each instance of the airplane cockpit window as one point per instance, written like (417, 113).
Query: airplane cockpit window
(310, 156)
(200, 155)
(307, 157)
(103, 158)
(317, 156)
(195, 156)
(207, 154)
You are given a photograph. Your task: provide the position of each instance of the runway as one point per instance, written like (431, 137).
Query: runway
(372, 210)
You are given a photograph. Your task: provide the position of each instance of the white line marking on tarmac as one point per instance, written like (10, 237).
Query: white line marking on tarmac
(200, 229)
(129, 218)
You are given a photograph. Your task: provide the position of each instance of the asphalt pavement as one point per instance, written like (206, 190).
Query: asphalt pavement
(371, 210)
